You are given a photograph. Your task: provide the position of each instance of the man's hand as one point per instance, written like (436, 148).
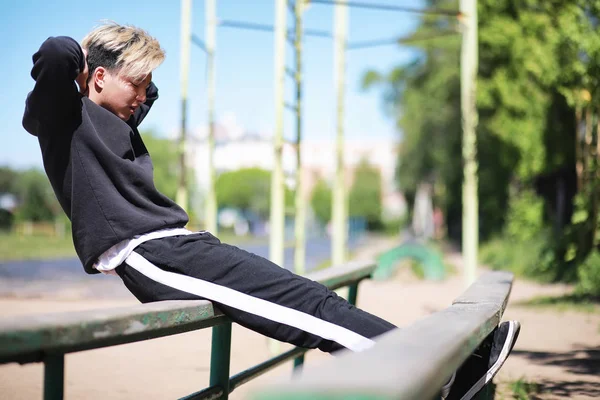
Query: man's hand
(83, 76)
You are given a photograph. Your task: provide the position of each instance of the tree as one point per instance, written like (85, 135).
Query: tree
(8, 178)
(537, 133)
(321, 201)
(37, 200)
(365, 195)
(245, 189)
(165, 160)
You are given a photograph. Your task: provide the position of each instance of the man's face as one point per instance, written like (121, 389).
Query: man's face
(123, 95)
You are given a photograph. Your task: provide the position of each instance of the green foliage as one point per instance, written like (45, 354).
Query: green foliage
(248, 189)
(538, 67)
(365, 195)
(589, 275)
(36, 197)
(165, 160)
(525, 217)
(525, 390)
(321, 201)
(8, 177)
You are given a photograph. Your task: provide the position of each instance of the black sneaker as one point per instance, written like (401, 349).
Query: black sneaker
(504, 340)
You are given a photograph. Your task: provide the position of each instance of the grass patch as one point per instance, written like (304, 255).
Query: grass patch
(31, 247)
(14, 247)
(569, 302)
(524, 390)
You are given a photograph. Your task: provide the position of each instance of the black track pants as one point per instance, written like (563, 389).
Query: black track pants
(250, 290)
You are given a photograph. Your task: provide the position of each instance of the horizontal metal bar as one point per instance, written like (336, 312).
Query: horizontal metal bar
(313, 32)
(339, 276)
(215, 392)
(199, 42)
(389, 7)
(263, 367)
(255, 26)
(292, 107)
(401, 40)
(31, 339)
(290, 72)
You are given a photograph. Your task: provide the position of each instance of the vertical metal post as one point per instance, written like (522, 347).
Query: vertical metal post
(298, 363)
(340, 198)
(353, 293)
(277, 217)
(468, 76)
(186, 16)
(54, 377)
(211, 199)
(300, 217)
(220, 356)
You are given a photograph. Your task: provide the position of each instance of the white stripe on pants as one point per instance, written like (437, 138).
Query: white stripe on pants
(250, 304)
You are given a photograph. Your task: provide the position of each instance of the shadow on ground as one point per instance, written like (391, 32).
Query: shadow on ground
(581, 361)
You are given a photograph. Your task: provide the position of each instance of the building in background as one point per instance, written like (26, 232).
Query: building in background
(236, 149)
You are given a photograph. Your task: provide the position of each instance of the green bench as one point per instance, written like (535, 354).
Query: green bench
(47, 338)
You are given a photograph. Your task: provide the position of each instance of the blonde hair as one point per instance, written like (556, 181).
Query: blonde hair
(128, 49)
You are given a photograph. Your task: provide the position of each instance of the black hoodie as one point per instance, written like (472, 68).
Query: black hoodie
(97, 163)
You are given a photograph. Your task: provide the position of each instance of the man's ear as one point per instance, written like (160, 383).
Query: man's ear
(99, 78)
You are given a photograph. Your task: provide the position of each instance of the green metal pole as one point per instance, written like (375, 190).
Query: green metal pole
(277, 217)
(186, 8)
(211, 199)
(340, 199)
(300, 222)
(353, 293)
(54, 377)
(468, 77)
(220, 357)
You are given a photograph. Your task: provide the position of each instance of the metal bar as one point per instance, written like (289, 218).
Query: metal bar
(299, 201)
(292, 107)
(387, 42)
(353, 293)
(277, 212)
(186, 11)
(255, 26)
(198, 42)
(468, 78)
(298, 363)
(210, 203)
(292, 6)
(54, 377)
(389, 7)
(290, 72)
(220, 358)
(263, 367)
(313, 32)
(340, 197)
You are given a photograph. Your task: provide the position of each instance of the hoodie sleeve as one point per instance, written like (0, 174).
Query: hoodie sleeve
(54, 100)
(151, 96)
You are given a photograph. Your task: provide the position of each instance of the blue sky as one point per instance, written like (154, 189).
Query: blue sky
(244, 62)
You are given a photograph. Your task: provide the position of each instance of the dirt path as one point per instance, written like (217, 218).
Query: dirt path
(559, 351)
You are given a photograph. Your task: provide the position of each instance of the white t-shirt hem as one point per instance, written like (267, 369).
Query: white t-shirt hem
(116, 255)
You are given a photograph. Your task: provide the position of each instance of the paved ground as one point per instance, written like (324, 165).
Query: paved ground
(560, 351)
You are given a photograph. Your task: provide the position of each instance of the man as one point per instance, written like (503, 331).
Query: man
(102, 176)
